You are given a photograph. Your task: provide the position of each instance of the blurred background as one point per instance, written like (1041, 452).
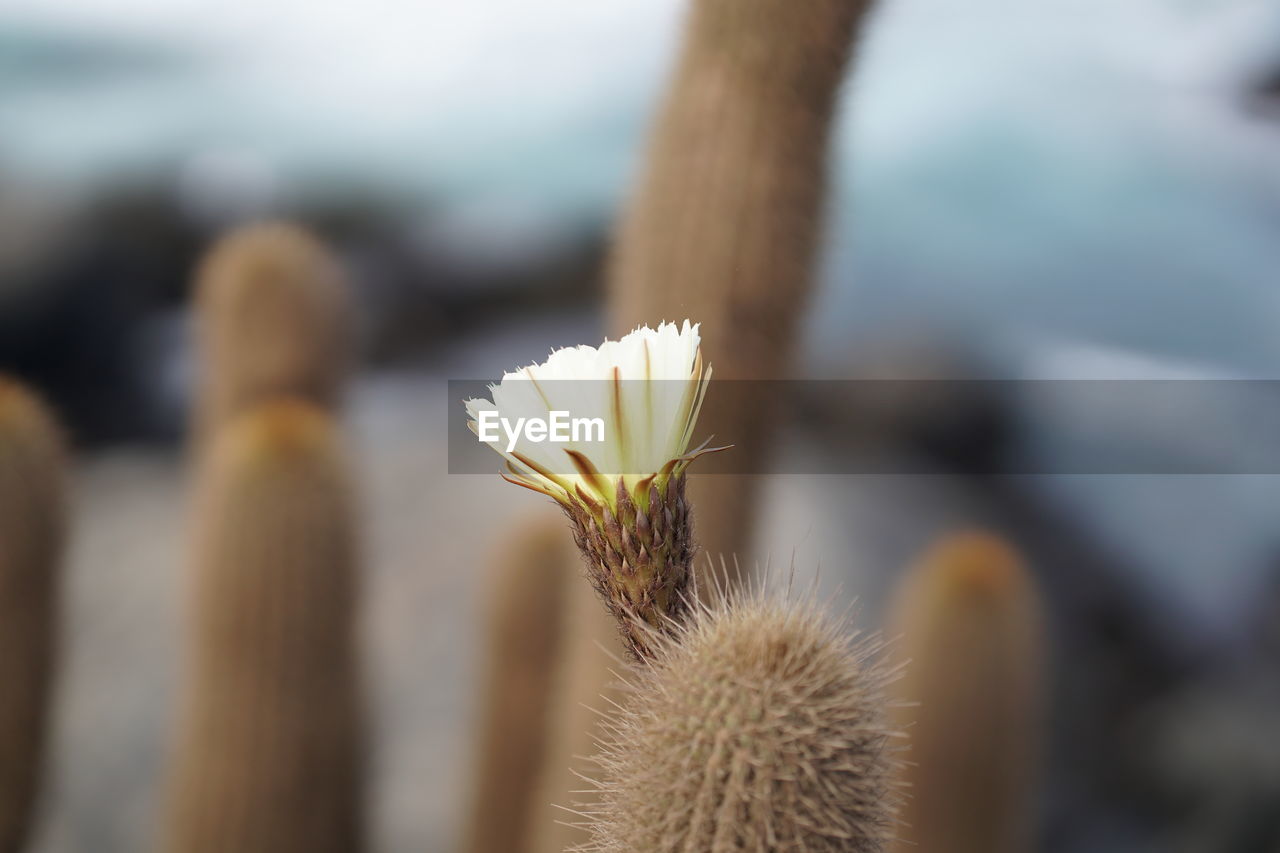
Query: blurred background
(1059, 190)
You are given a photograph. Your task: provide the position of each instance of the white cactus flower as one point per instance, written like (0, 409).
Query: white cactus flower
(621, 482)
(645, 390)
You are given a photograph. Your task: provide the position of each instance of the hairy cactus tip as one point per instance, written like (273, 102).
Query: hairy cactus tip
(759, 725)
(606, 431)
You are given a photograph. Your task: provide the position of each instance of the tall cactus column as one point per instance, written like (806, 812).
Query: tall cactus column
(529, 584)
(269, 751)
(971, 628)
(584, 682)
(32, 521)
(726, 218)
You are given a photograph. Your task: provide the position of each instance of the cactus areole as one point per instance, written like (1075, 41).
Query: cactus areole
(622, 486)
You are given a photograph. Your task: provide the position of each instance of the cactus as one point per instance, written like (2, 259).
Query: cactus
(722, 229)
(970, 626)
(591, 649)
(759, 727)
(268, 755)
(532, 580)
(32, 522)
(725, 222)
(272, 320)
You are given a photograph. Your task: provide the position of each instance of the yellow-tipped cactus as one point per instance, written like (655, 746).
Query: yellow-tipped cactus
(268, 756)
(272, 316)
(970, 627)
(759, 727)
(727, 215)
(32, 522)
(530, 591)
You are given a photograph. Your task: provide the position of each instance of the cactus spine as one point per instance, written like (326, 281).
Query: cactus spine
(268, 756)
(32, 522)
(272, 320)
(970, 627)
(726, 218)
(760, 727)
(530, 587)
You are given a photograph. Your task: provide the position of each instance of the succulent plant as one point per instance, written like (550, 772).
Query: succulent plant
(757, 726)
(970, 627)
(727, 213)
(32, 531)
(269, 750)
(723, 227)
(588, 656)
(532, 578)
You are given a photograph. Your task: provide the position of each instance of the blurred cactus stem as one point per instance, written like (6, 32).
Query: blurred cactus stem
(272, 315)
(32, 530)
(727, 213)
(268, 757)
(970, 625)
(530, 586)
(759, 727)
(584, 681)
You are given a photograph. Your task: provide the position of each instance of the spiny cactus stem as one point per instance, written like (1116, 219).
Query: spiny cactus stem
(757, 724)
